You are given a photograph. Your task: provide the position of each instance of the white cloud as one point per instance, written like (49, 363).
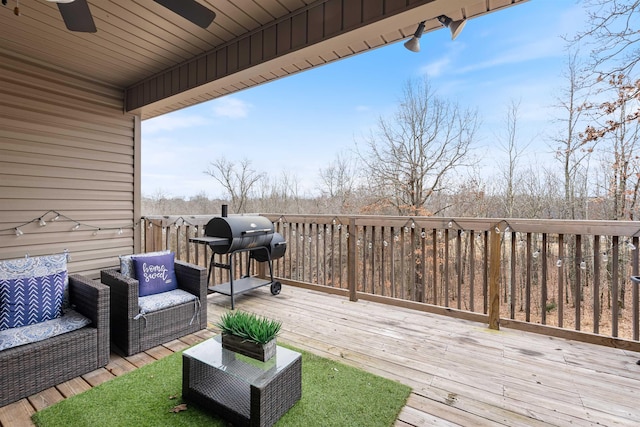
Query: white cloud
(538, 49)
(169, 122)
(232, 108)
(436, 68)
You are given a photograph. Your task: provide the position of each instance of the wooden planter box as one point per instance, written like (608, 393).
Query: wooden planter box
(261, 352)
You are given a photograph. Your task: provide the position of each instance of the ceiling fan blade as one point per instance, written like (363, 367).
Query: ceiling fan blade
(77, 16)
(190, 10)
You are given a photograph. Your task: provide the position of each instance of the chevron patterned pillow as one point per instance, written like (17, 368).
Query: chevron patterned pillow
(32, 290)
(28, 301)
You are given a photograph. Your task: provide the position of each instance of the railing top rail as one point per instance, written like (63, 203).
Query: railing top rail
(552, 226)
(519, 225)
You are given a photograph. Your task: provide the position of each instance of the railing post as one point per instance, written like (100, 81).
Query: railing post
(494, 280)
(352, 259)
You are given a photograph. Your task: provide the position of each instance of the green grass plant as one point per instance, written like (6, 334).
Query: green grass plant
(249, 326)
(333, 394)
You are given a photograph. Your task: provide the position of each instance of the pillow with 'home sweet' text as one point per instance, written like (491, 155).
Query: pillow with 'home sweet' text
(155, 274)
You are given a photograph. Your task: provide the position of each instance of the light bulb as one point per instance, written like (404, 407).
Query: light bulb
(370, 245)
(536, 253)
(631, 246)
(450, 225)
(605, 257)
(406, 229)
(339, 226)
(423, 234)
(55, 218)
(396, 238)
(385, 243)
(19, 232)
(559, 263)
(75, 227)
(120, 231)
(497, 229)
(42, 222)
(506, 230)
(413, 224)
(583, 265)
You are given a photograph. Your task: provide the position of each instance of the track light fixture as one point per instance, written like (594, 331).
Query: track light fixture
(413, 44)
(454, 26)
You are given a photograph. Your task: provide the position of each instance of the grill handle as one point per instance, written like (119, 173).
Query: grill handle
(261, 231)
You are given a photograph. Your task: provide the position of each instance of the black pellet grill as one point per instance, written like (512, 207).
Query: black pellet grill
(243, 233)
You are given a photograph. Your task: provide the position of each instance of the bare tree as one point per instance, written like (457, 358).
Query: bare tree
(237, 179)
(613, 37)
(571, 150)
(514, 149)
(411, 156)
(338, 181)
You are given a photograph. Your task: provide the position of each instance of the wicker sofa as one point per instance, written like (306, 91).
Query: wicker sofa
(31, 368)
(132, 332)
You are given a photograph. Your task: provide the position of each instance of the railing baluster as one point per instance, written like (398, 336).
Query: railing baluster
(577, 293)
(434, 265)
(596, 284)
(543, 285)
(560, 302)
(635, 316)
(615, 265)
(472, 270)
(446, 268)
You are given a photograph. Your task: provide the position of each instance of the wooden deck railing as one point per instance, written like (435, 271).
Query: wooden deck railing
(563, 278)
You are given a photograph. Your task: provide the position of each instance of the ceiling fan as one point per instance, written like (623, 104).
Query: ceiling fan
(77, 16)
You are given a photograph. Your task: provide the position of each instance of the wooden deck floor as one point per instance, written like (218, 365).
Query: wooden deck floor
(461, 372)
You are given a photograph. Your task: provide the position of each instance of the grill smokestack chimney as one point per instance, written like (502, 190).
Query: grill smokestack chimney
(224, 211)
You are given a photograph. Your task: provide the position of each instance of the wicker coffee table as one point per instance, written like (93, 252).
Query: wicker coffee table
(239, 389)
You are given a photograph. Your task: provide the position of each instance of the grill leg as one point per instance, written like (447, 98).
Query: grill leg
(231, 257)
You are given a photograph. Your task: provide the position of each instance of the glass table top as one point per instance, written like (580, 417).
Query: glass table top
(247, 369)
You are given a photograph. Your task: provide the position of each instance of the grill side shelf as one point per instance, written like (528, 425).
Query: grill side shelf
(240, 286)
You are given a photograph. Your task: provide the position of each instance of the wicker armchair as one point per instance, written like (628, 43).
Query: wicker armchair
(31, 368)
(133, 333)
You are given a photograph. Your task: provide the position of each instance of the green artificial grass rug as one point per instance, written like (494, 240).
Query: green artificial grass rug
(333, 394)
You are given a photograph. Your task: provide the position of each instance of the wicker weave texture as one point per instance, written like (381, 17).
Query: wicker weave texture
(240, 401)
(133, 335)
(31, 368)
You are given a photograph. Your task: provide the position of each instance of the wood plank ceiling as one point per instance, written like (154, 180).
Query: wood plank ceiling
(163, 62)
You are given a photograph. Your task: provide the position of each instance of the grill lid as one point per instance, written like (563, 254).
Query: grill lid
(242, 232)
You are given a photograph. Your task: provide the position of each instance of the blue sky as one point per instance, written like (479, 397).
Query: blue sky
(514, 54)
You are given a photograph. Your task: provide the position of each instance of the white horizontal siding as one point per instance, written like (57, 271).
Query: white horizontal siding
(65, 146)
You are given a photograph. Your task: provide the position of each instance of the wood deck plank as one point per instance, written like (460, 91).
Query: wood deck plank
(73, 387)
(45, 398)
(17, 414)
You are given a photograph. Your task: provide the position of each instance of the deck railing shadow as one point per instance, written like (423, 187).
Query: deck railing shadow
(557, 277)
